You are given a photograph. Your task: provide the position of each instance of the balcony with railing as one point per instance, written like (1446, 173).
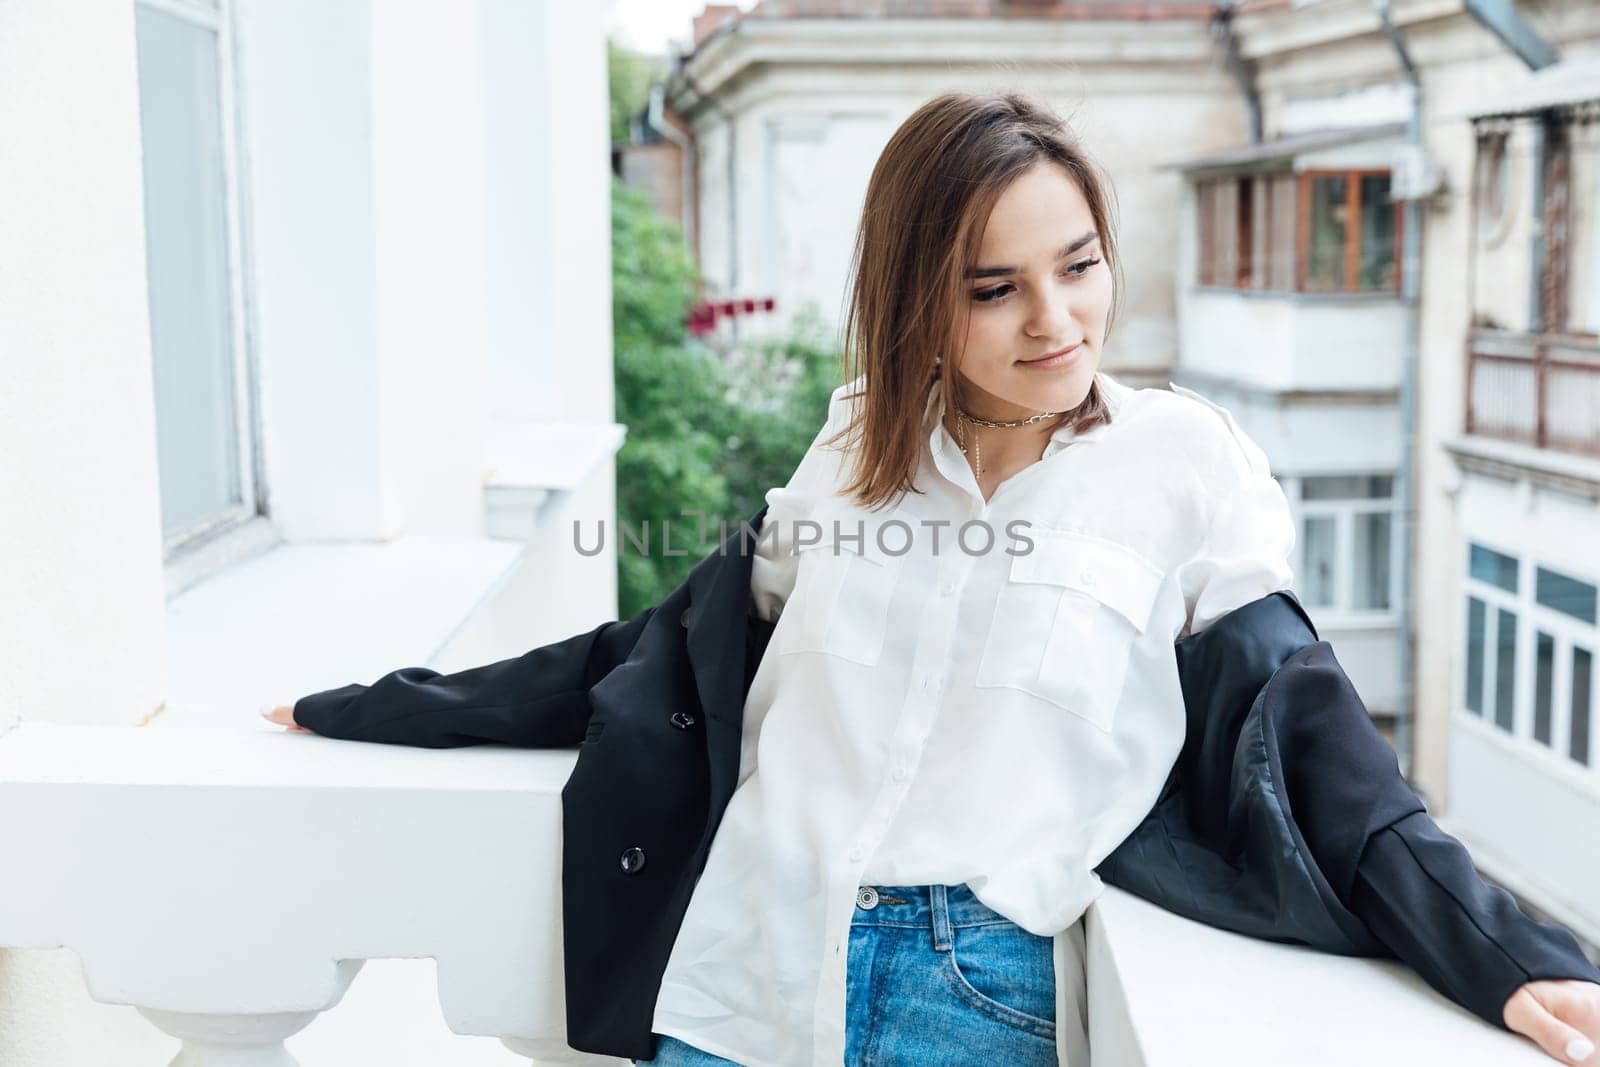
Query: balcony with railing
(1532, 395)
(1536, 389)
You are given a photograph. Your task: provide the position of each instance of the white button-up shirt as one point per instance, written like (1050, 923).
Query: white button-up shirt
(935, 709)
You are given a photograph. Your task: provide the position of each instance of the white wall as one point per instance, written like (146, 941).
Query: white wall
(80, 540)
(383, 146)
(81, 635)
(1289, 342)
(306, 97)
(524, 373)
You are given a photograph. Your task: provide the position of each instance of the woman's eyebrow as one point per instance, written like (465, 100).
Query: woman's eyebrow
(1066, 250)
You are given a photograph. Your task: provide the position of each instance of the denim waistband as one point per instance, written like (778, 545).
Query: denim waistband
(939, 907)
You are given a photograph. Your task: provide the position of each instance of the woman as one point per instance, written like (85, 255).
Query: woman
(970, 698)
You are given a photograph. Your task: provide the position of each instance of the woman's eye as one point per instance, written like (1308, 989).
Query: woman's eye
(989, 296)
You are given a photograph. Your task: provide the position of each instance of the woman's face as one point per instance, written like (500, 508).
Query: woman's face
(1041, 284)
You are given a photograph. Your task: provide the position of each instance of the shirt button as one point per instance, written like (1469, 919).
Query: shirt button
(931, 683)
(899, 774)
(1087, 577)
(856, 854)
(948, 588)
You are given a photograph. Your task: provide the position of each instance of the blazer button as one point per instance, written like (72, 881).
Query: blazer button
(682, 720)
(632, 860)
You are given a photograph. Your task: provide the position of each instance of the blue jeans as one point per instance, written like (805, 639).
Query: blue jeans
(934, 977)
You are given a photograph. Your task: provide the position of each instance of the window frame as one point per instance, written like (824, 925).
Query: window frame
(1223, 264)
(1352, 235)
(1344, 512)
(218, 16)
(1533, 619)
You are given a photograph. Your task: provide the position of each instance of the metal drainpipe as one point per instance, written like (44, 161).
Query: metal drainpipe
(685, 145)
(733, 193)
(1222, 29)
(1404, 727)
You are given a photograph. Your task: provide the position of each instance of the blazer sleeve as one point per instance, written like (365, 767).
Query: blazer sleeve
(539, 699)
(1249, 533)
(1418, 892)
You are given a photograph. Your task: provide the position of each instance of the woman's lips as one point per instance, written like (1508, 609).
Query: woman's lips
(1063, 359)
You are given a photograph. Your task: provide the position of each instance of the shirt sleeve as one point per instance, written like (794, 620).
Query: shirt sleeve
(774, 566)
(1250, 535)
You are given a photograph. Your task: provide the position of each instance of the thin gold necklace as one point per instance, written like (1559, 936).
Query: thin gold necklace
(963, 417)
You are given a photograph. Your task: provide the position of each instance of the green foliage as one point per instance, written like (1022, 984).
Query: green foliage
(706, 433)
(630, 75)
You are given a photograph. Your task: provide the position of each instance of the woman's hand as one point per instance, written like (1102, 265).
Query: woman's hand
(283, 715)
(1561, 1016)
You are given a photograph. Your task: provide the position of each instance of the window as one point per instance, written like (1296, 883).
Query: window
(1559, 610)
(192, 256)
(1352, 241)
(1328, 237)
(1570, 596)
(1345, 542)
(1316, 232)
(1496, 568)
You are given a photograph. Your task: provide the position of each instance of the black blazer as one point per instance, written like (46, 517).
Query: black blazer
(1285, 816)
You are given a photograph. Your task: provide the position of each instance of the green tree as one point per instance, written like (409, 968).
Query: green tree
(630, 75)
(706, 434)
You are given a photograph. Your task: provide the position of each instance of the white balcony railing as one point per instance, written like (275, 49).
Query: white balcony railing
(1539, 389)
(230, 883)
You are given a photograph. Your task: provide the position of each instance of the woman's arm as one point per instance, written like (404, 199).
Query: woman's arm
(1249, 533)
(1416, 888)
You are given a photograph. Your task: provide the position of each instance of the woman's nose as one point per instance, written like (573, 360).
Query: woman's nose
(1052, 318)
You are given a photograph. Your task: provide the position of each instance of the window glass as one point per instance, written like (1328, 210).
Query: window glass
(1377, 269)
(1477, 623)
(1496, 568)
(1318, 586)
(1347, 487)
(1330, 220)
(1582, 673)
(1543, 667)
(1566, 595)
(1505, 668)
(1370, 567)
(187, 263)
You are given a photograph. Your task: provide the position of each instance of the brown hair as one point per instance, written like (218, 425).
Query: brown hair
(922, 222)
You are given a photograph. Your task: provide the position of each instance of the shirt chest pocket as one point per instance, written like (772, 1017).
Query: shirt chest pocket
(1066, 620)
(844, 585)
